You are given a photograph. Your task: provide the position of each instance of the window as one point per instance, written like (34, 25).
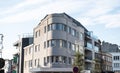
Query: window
(69, 30)
(38, 62)
(35, 61)
(77, 34)
(44, 44)
(48, 43)
(53, 26)
(36, 34)
(45, 29)
(116, 57)
(80, 36)
(35, 48)
(73, 31)
(30, 63)
(64, 27)
(45, 61)
(69, 60)
(52, 59)
(39, 32)
(69, 45)
(60, 26)
(63, 43)
(48, 59)
(116, 65)
(53, 43)
(73, 47)
(56, 59)
(39, 47)
(49, 27)
(29, 50)
(77, 48)
(64, 59)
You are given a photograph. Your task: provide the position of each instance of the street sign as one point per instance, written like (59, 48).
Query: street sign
(75, 69)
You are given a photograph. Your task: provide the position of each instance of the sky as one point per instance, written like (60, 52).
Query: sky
(18, 17)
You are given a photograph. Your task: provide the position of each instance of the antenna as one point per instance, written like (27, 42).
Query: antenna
(1, 45)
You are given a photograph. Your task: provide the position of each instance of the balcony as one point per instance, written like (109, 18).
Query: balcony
(89, 46)
(96, 49)
(88, 59)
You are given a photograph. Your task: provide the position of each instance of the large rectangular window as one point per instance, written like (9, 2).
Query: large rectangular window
(73, 47)
(53, 26)
(49, 27)
(80, 36)
(73, 31)
(69, 30)
(53, 43)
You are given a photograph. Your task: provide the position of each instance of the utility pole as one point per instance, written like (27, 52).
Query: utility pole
(1, 45)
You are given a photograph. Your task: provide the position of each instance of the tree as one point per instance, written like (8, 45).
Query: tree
(78, 62)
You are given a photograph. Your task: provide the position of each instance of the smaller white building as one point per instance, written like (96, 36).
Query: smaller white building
(116, 61)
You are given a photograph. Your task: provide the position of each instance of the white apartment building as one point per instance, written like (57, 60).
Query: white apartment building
(56, 39)
(116, 61)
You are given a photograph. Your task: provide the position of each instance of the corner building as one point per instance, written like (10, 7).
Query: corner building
(56, 38)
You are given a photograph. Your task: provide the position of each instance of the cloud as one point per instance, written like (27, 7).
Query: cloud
(88, 12)
(41, 10)
(106, 13)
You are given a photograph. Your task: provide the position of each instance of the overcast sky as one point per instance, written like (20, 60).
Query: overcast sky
(21, 16)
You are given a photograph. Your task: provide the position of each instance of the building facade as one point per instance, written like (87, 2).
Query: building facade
(115, 51)
(28, 55)
(116, 61)
(107, 62)
(56, 39)
(15, 63)
(20, 44)
(92, 52)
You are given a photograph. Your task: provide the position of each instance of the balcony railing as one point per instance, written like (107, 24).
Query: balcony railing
(89, 46)
(88, 58)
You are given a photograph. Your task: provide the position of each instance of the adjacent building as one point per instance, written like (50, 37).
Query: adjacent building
(28, 56)
(20, 44)
(107, 62)
(115, 51)
(15, 63)
(116, 61)
(92, 52)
